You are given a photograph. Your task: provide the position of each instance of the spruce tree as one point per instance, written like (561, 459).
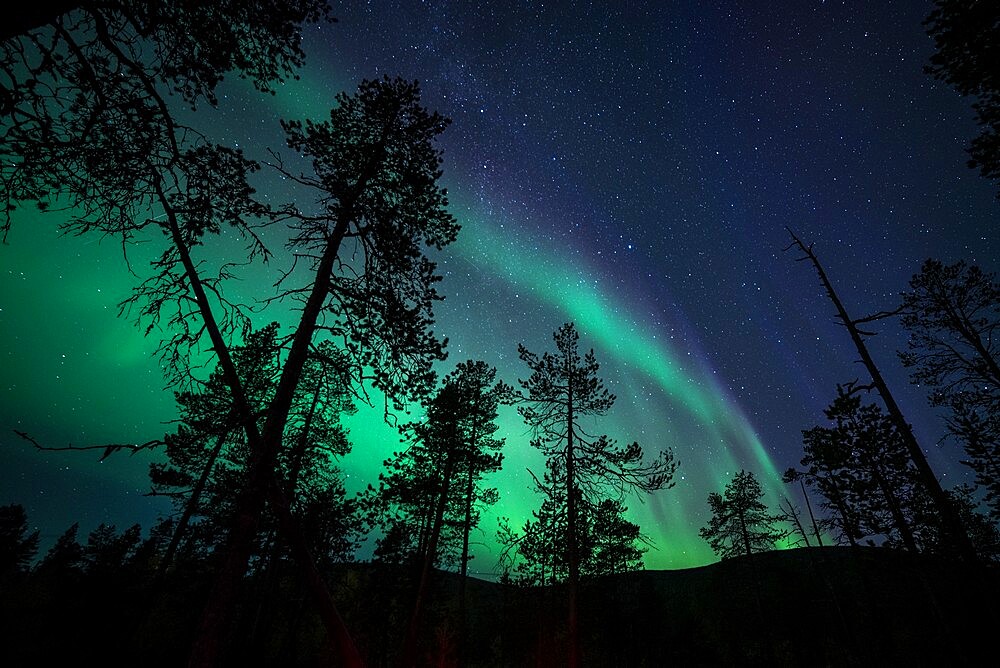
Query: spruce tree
(741, 523)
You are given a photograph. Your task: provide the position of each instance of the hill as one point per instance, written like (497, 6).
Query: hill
(808, 607)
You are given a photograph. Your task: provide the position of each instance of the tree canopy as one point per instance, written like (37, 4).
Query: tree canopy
(740, 522)
(966, 36)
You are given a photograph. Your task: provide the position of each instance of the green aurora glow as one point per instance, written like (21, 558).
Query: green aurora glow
(667, 398)
(716, 439)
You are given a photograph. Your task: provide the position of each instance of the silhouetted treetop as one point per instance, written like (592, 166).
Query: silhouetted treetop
(741, 523)
(952, 316)
(377, 205)
(87, 121)
(18, 547)
(951, 313)
(193, 45)
(967, 36)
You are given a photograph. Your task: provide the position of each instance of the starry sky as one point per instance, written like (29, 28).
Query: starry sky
(631, 167)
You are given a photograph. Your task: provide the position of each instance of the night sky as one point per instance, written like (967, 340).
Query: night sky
(631, 167)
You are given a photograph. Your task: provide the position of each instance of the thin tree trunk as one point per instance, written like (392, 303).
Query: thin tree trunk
(342, 645)
(794, 514)
(175, 538)
(895, 511)
(464, 574)
(297, 461)
(410, 642)
(812, 518)
(299, 453)
(189, 508)
(848, 522)
(470, 487)
(571, 528)
(745, 535)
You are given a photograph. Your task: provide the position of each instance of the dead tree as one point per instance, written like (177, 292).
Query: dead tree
(950, 521)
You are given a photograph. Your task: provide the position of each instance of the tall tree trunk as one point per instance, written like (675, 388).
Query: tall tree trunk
(185, 519)
(159, 579)
(950, 520)
(272, 566)
(424, 534)
(265, 446)
(470, 488)
(410, 641)
(745, 535)
(573, 659)
(847, 521)
(261, 471)
(794, 513)
(342, 645)
(266, 443)
(301, 443)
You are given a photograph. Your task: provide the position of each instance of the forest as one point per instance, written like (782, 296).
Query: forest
(258, 563)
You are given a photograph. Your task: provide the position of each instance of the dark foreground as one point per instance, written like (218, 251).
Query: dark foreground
(807, 607)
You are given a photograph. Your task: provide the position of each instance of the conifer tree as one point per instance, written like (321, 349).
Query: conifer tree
(865, 471)
(66, 556)
(563, 391)
(952, 315)
(18, 547)
(740, 522)
(430, 497)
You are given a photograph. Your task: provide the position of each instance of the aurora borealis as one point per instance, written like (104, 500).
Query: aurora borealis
(631, 168)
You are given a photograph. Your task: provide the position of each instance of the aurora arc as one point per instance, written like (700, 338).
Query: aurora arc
(721, 441)
(619, 334)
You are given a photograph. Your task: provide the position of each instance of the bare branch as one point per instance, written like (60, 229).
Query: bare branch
(108, 448)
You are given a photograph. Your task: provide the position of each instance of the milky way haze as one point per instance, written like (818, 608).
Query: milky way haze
(631, 170)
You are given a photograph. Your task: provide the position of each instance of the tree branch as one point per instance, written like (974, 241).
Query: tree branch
(107, 448)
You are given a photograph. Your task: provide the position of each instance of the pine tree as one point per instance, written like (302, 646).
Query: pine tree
(106, 551)
(952, 315)
(66, 556)
(966, 34)
(563, 390)
(612, 543)
(432, 490)
(865, 471)
(537, 555)
(207, 455)
(982, 527)
(740, 522)
(17, 547)
(92, 128)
